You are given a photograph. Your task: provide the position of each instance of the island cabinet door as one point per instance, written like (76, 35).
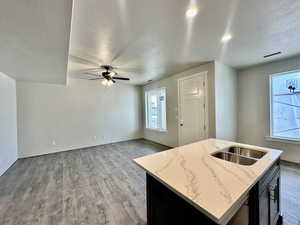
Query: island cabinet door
(164, 207)
(269, 207)
(264, 199)
(264, 209)
(274, 188)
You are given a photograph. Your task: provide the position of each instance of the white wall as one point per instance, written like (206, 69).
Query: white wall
(253, 110)
(170, 138)
(225, 102)
(85, 113)
(8, 119)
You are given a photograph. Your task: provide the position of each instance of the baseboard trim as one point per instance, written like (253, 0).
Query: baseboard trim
(8, 168)
(289, 163)
(75, 148)
(169, 147)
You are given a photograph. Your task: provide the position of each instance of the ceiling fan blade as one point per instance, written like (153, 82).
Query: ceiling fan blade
(100, 78)
(80, 60)
(121, 78)
(92, 74)
(91, 78)
(94, 69)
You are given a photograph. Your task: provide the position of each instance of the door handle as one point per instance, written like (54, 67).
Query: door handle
(274, 192)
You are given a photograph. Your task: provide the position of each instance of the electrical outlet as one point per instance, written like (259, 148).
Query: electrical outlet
(54, 142)
(95, 137)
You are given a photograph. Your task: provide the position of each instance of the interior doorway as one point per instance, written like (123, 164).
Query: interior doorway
(192, 108)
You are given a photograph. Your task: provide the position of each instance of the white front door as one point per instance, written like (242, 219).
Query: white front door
(192, 108)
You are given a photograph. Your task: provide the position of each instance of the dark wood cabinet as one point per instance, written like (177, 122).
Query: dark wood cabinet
(265, 199)
(164, 207)
(263, 208)
(269, 209)
(274, 189)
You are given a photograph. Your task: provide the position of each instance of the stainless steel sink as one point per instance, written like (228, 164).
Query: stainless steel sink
(240, 155)
(234, 158)
(251, 153)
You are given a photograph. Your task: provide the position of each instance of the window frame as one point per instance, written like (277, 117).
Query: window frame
(146, 109)
(271, 135)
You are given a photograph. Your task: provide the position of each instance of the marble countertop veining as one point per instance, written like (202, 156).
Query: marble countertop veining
(214, 186)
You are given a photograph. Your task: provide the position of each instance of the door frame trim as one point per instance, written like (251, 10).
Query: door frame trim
(206, 119)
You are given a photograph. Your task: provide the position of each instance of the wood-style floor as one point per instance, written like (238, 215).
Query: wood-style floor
(96, 186)
(290, 193)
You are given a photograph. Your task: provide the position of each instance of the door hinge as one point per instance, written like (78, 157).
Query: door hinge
(204, 127)
(204, 106)
(204, 84)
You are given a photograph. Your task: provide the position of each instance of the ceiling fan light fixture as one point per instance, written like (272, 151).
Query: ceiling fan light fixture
(104, 82)
(108, 76)
(109, 83)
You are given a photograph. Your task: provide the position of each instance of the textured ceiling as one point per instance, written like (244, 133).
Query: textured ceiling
(34, 39)
(146, 39)
(153, 39)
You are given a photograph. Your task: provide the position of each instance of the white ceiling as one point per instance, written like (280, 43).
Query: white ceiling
(147, 39)
(153, 39)
(34, 39)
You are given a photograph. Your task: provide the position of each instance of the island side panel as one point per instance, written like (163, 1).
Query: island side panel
(264, 198)
(166, 207)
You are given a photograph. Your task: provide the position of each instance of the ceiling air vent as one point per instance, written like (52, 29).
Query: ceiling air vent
(273, 54)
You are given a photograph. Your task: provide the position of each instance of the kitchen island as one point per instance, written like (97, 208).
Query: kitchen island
(191, 185)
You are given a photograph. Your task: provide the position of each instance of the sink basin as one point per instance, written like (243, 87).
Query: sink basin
(251, 153)
(240, 155)
(230, 157)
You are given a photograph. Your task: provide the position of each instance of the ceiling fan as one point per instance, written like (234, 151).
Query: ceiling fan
(109, 76)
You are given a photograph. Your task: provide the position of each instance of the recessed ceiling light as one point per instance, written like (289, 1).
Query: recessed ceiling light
(227, 37)
(192, 12)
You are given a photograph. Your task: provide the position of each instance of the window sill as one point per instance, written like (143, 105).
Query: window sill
(283, 140)
(162, 131)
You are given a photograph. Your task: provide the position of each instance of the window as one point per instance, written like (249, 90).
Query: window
(285, 105)
(155, 104)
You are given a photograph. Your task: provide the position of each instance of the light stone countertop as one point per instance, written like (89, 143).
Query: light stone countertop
(214, 186)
